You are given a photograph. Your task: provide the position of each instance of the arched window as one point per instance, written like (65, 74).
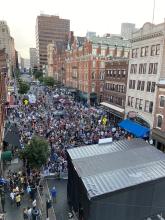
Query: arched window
(159, 121)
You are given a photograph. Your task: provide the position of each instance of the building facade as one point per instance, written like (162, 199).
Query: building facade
(49, 29)
(146, 67)
(3, 91)
(115, 84)
(7, 42)
(33, 58)
(158, 131)
(85, 64)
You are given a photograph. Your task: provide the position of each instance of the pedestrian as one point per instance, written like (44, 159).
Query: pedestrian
(53, 194)
(25, 214)
(18, 200)
(3, 201)
(34, 203)
(29, 212)
(12, 196)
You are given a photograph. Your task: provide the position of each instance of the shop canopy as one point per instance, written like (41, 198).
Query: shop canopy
(134, 128)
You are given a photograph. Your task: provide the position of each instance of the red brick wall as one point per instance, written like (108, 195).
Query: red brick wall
(158, 109)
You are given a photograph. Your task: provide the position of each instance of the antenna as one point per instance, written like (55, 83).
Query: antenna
(153, 16)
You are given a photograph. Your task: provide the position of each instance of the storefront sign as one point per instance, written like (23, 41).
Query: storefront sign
(132, 114)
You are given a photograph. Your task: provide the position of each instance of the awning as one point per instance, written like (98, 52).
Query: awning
(121, 110)
(6, 155)
(134, 128)
(158, 135)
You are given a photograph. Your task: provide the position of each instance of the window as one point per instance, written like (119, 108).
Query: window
(162, 101)
(159, 121)
(148, 86)
(144, 51)
(142, 85)
(153, 50)
(94, 63)
(150, 68)
(148, 106)
(123, 73)
(133, 68)
(153, 87)
(140, 104)
(135, 53)
(93, 75)
(155, 68)
(132, 101)
(138, 85)
(133, 84)
(137, 103)
(147, 103)
(142, 68)
(158, 49)
(129, 100)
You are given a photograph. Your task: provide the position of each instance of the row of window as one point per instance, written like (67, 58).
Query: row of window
(138, 104)
(116, 100)
(116, 73)
(153, 68)
(141, 85)
(114, 87)
(144, 51)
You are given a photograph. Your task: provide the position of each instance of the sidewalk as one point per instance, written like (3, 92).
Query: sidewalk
(15, 213)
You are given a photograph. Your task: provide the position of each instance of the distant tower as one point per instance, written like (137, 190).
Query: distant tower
(127, 29)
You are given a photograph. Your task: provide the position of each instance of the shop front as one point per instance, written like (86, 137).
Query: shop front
(158, 138)
(115, 114)
(93, 99)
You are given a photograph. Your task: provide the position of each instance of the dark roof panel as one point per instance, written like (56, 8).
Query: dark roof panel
(116, 166)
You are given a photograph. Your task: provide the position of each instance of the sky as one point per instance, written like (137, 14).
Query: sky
(101, 16)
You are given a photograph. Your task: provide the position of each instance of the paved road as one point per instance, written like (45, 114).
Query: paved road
(61, 206)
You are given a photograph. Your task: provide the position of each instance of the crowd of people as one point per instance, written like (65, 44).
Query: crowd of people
(64, 122)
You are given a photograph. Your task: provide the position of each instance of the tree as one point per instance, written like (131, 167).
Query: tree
(37, 74)
(36, 152)
(23, 87)
(41, 79)
(49, 81)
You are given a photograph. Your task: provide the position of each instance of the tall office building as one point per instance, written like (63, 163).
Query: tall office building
(7, 43)
(127, 29)
(49, 28)
(33, 57)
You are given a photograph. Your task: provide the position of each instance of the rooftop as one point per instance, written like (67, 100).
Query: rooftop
(111, 41)
(107, 168)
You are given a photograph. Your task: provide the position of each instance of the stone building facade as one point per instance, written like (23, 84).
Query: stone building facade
(146, 67)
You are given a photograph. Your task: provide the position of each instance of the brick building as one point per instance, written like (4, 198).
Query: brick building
(3, 91)
(114, 96)
(85, 64)
(158, 131)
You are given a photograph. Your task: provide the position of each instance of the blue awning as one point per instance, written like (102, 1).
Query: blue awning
(134, 128)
